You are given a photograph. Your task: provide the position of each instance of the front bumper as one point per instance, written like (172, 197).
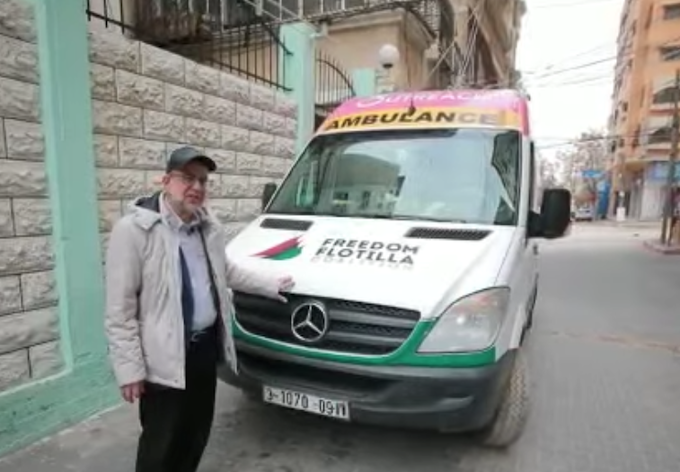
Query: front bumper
(432, 398)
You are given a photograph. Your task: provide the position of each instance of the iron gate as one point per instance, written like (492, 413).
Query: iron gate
(332, 86)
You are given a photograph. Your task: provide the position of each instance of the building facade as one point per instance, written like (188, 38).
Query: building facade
(642, 102)
(487, 34)
(442, 43)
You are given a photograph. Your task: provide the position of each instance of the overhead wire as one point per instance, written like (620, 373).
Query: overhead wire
(569, 58)
(570, 141)
(587, 80)
(448, 50)
(576, 141)
(434, 68)
(619, 56)
(471, 48)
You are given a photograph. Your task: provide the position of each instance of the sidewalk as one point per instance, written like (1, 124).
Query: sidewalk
(105, 442)
(630, 224)
(651, 230)
(656, 246)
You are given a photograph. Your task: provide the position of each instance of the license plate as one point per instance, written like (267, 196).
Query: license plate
(304, 402)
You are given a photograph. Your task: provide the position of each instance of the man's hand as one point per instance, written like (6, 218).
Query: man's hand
(286, 283)
(132, 392)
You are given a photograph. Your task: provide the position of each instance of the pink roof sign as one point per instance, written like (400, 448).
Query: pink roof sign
(507, 108)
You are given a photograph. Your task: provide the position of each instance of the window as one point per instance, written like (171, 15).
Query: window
(671, 12)
(670, 53)
(664, 96)
(280, 9)
(467, 174)
(661, 135)
(312, 7)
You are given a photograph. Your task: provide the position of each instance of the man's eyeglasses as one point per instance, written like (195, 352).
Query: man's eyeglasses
(190, 180)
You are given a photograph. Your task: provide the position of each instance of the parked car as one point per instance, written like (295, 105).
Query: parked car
(584, 213)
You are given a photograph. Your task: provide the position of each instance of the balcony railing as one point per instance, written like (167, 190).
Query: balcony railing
(242, 36)
(231, 35)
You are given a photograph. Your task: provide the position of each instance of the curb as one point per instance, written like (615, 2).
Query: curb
(661, 249)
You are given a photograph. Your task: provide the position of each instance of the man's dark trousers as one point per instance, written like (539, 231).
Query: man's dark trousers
(176, 423)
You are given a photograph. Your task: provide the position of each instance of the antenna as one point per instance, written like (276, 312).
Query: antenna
(412, 104)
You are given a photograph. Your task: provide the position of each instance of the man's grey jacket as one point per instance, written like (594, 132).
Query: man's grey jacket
(143, 321)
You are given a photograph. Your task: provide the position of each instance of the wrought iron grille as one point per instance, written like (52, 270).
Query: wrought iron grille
(333, 86)
(225, 34)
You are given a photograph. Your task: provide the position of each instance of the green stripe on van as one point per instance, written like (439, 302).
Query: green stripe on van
(406, 355)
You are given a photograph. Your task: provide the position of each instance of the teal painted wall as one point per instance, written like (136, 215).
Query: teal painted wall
(364, 81)
(29, 412)
(85, 386)
(297, 74)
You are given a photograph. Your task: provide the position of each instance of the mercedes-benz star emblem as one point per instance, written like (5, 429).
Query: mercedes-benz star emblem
(309, 322)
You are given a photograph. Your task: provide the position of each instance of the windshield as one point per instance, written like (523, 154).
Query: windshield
(464, 175)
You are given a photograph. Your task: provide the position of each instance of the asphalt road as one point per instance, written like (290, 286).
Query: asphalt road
(605, 368)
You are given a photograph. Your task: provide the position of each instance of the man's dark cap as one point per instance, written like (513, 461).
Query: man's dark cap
(182, 156)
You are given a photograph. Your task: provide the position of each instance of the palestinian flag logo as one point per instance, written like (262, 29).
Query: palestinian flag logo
(288, 249)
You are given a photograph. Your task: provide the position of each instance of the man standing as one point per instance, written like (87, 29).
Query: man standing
(168, 312)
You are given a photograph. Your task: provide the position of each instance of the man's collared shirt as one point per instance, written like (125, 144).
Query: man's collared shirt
(197, 264)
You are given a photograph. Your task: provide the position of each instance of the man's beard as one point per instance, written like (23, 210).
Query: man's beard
(182, 207)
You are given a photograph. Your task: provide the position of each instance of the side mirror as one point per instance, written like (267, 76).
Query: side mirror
(555, 213)
(267, 193)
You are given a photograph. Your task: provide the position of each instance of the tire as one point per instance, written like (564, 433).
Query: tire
(510, 419)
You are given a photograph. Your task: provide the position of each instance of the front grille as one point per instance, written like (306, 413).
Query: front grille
(448, 233)
(354, 328)
(317, 378)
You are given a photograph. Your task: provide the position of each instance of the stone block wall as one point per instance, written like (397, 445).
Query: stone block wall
(145, 102)
(29, 345)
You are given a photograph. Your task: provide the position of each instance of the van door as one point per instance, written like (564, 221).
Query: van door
(523, 260)
(531, 247)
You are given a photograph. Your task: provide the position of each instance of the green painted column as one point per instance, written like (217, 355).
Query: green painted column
(298, 60)
(34, 410)
(63, 51)
(364, 81)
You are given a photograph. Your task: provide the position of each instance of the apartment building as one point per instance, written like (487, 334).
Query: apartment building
(441, 42)
(642, 102)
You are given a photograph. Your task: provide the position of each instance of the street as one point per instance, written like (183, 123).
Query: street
(605, 371)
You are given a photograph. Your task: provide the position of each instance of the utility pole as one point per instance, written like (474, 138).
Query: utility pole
(672, 158)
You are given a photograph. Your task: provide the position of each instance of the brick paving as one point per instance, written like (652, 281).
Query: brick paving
(605, 371)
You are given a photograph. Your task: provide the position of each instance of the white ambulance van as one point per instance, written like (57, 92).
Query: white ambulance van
(410, 223)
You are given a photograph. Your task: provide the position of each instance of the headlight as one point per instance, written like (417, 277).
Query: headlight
(469, 324)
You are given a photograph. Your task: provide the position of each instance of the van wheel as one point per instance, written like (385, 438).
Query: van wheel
(510, 419)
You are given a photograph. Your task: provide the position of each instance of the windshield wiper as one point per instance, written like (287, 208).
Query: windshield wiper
(427, 218)
(305, 211)
(382, 216)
